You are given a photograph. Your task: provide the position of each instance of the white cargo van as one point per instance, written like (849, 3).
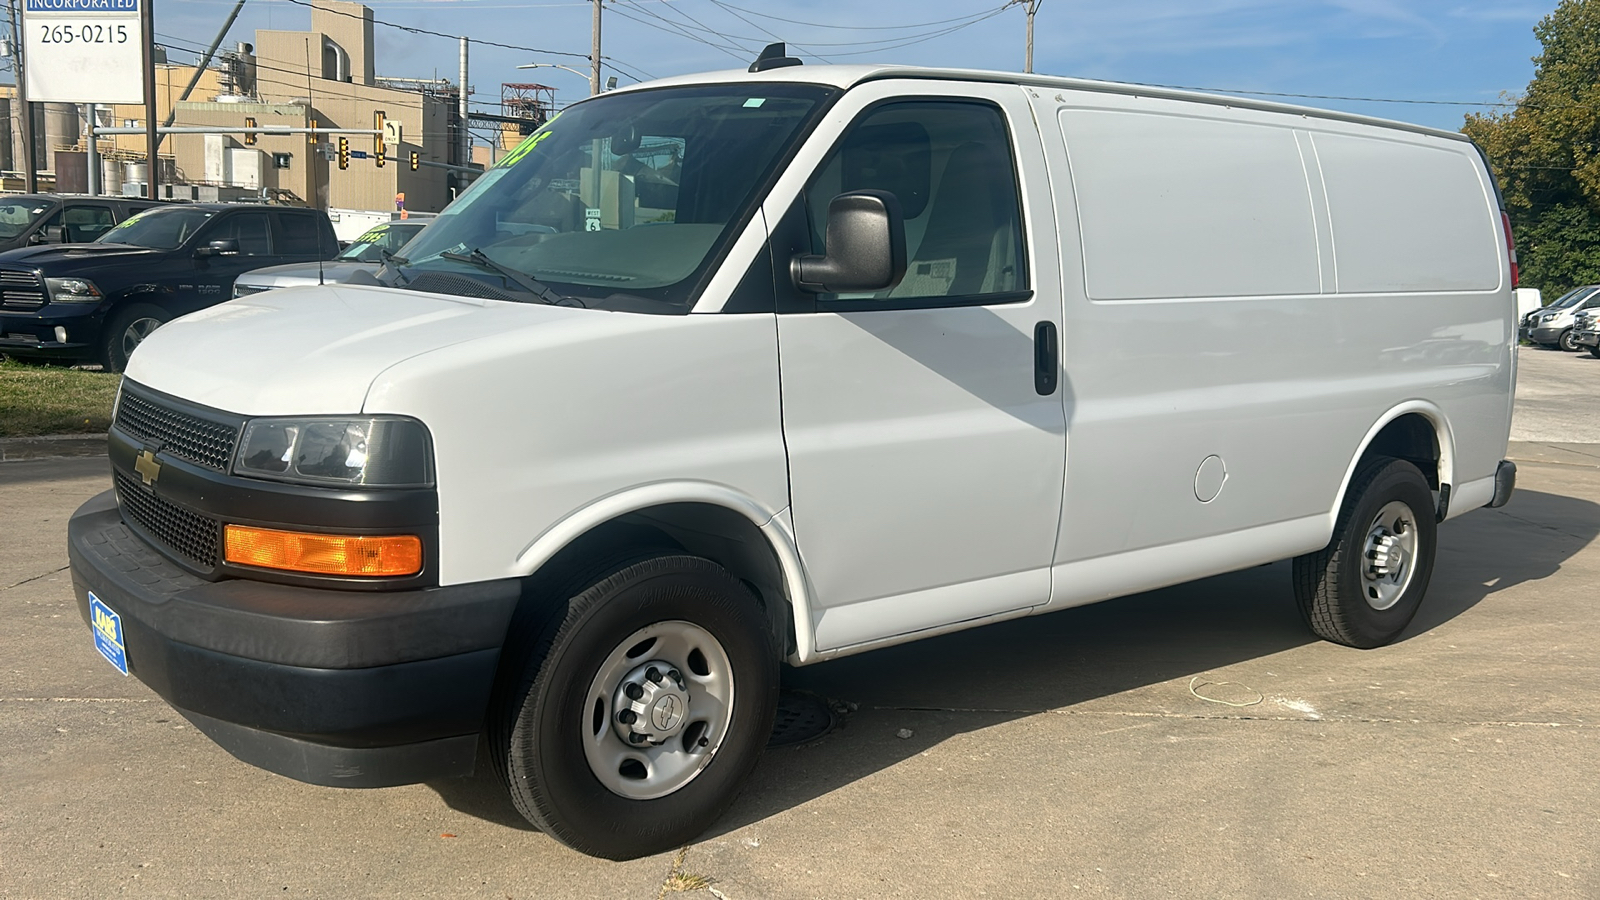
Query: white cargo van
(746, 369)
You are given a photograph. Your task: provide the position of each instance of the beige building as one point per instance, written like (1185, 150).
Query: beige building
(324, 78)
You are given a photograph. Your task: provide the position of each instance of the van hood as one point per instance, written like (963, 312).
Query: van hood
(314, 350)
(302, 274)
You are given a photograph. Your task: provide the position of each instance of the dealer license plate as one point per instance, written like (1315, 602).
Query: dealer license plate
(108, 633)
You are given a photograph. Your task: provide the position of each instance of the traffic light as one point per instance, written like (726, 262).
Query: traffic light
(416, 160)
(377, 158)
(249, 136)
(344, 153)
(378, 146)
(311, 136)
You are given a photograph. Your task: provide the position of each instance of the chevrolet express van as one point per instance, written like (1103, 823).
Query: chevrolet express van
(732, 371)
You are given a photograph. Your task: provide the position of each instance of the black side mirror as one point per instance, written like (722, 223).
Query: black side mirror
(866, 247)
(229, 247)
(55, 234)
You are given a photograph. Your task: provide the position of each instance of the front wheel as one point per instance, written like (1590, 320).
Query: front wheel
(1595, 351)
(640, 709)
(125, 331)
(1363, 589)
(1567, 341)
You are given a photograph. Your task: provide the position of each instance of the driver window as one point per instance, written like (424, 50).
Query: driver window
(250, 229)
(951, 166)
(85, 223)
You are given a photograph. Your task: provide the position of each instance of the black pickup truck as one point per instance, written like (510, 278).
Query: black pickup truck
(29, 219)
(95, 302)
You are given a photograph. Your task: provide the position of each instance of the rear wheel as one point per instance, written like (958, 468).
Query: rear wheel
(1567, 341)
(1363, 589)
(127, 330)
(639, 709)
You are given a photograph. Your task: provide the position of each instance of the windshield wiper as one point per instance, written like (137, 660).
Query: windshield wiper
(527, 283)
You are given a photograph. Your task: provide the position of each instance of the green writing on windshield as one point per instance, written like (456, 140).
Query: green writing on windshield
(526, 147)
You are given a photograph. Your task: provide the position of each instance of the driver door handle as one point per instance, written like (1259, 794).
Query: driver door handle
(1046, 358)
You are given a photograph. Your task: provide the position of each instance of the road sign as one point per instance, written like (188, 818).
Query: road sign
(83, 51)
(391, 131)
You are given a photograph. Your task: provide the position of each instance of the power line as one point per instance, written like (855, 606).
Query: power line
(424, 31)
(857, 27)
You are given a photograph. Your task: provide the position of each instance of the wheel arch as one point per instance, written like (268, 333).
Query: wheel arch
(1417, 431)
(724, 525)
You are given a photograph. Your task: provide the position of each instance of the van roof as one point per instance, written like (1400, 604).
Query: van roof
(852, 75)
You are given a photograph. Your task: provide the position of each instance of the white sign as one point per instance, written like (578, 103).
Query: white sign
(83, 51)
(392, 132)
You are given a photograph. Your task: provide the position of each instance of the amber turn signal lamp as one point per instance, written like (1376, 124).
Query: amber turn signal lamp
(323, 554)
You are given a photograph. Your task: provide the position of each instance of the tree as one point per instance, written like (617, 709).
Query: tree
(1546, 152)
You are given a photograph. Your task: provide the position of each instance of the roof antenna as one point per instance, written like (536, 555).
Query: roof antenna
(774, 56)
(311, 160)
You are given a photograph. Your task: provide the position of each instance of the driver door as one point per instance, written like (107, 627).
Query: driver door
(926, 445)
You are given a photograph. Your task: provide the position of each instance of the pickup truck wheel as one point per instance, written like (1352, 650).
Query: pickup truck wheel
(125, 331)
(1595, 351)
(1567, 341)
(638, 720)
(1363, 589)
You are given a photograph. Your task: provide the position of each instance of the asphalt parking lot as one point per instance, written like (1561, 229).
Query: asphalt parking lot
(1190, 742)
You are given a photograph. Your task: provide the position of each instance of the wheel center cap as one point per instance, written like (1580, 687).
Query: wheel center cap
(651, 704)
(666, 713)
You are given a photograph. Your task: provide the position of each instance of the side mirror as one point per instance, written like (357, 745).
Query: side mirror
(866, 247)
(229, 247)
(55, 234)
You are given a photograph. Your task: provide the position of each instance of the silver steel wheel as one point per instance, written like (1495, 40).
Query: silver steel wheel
(1390, 555)
(658, 710)
(136, 332)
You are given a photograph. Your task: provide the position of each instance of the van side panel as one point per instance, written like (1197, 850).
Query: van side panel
(1407, 216)
(1241, 319)
(1197, 192)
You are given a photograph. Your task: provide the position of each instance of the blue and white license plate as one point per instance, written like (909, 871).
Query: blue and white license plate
(108, 633)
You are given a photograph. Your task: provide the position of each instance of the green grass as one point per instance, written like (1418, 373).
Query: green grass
(37, 400)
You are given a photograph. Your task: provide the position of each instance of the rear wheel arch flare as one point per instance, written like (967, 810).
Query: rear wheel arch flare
(1416, 431)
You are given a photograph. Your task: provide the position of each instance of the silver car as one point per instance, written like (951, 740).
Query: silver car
(1586, 331)
(366, 254)
(1552, 326)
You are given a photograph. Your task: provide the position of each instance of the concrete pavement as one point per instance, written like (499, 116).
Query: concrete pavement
(1194, 741)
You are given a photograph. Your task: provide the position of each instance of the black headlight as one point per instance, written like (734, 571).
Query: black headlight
(371, 451)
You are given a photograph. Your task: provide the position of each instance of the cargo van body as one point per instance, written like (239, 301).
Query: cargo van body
(1131, 338)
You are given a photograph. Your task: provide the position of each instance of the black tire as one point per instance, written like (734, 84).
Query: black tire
(537, 730)
(1567, 342)
(125, 330)
(1595, 351)
(1333, 584)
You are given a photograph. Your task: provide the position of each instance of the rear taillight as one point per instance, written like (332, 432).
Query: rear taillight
(1511, 246)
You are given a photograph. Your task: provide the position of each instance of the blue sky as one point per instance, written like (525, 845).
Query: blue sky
(1439, 50)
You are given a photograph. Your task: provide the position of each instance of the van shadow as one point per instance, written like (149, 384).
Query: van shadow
(1019, 668)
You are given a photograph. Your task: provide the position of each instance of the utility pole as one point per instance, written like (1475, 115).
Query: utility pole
(461, 107)
(1033, 8)
(594, 54)
(93, 148)
(29, 161)
(147, 23)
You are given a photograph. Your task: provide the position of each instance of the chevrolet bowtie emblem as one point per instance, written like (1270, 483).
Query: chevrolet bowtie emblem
(147, 467)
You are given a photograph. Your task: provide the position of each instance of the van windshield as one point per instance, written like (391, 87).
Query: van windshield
(623, 202)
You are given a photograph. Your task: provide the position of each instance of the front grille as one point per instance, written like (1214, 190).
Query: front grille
(201, 441)
(184, 531)
(21, 289)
